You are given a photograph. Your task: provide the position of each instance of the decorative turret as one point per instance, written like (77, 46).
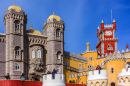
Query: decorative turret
(124, 78)
(102, 25)
(98, 31)
(127, 48)
(114, 24)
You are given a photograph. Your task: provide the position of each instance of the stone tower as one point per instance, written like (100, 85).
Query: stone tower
(54, 30)
(15, 21)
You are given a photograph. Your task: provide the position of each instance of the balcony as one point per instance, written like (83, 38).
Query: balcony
(93, 68)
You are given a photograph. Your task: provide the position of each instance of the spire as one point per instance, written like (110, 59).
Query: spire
(102, 21)
(114, 20)
(98, 27)
(53, 13)
(31, 26)
(15, 3)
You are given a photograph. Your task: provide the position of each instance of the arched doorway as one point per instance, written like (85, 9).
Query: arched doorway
(113, 84)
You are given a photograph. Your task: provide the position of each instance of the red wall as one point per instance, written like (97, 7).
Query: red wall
(27, 83)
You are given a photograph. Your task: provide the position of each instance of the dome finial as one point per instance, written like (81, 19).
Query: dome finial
(53, 13)
(31, 26)
(15, 3)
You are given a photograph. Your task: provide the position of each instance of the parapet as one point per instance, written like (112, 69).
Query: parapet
(58, 81)
(94, 75)
(124, 73)
(74, 56)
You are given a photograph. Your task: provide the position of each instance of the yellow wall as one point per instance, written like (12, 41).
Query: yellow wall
(89, 54)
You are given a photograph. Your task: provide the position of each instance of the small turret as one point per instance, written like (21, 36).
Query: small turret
(114, 24)
(98, 31)
(127, 48)
(102, 25)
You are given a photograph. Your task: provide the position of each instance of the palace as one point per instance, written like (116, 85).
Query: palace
(34, 53)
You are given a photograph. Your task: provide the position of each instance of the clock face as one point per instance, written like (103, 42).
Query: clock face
(108, 33)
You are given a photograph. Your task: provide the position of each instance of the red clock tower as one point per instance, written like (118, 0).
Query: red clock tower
(107, 41)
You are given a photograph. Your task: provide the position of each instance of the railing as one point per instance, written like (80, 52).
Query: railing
(71, 68)
(82, 70)
(93, 68)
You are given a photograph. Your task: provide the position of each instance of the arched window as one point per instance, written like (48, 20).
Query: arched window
(33, 54)
(17, 67)
(58, 55)
(17, 52)
(38, 53)
(16, 25)
(112, 70)
(57, 33)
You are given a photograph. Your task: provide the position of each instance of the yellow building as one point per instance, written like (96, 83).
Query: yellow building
(82, 69)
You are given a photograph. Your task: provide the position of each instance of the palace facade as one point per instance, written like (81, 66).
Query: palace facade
(34, 53)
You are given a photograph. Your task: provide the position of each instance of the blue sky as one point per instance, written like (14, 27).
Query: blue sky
(81, 17)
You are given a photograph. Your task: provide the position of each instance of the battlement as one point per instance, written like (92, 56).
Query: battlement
(58, 81)
(108, 26)
(94, 75)
(124, 73)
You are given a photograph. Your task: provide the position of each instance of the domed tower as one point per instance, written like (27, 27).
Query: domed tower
(15, 21)
(54, 30)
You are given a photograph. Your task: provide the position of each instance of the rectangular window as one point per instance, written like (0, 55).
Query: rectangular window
(16, 52)
(90, 58)
(58, 70)
(16, 25)
(80, 66)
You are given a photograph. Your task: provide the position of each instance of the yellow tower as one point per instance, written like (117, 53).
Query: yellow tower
(114, 63)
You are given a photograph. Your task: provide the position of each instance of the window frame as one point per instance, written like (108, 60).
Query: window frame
(112, 70)
(58, 56)
(67, 63)
(38, 53)
(90, 58)
(57, 33)
(17, 52)
(80, 65)
(17, 67)
(58, 69)
(33, 54)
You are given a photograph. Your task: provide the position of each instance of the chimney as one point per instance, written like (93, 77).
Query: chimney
(87, 44)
